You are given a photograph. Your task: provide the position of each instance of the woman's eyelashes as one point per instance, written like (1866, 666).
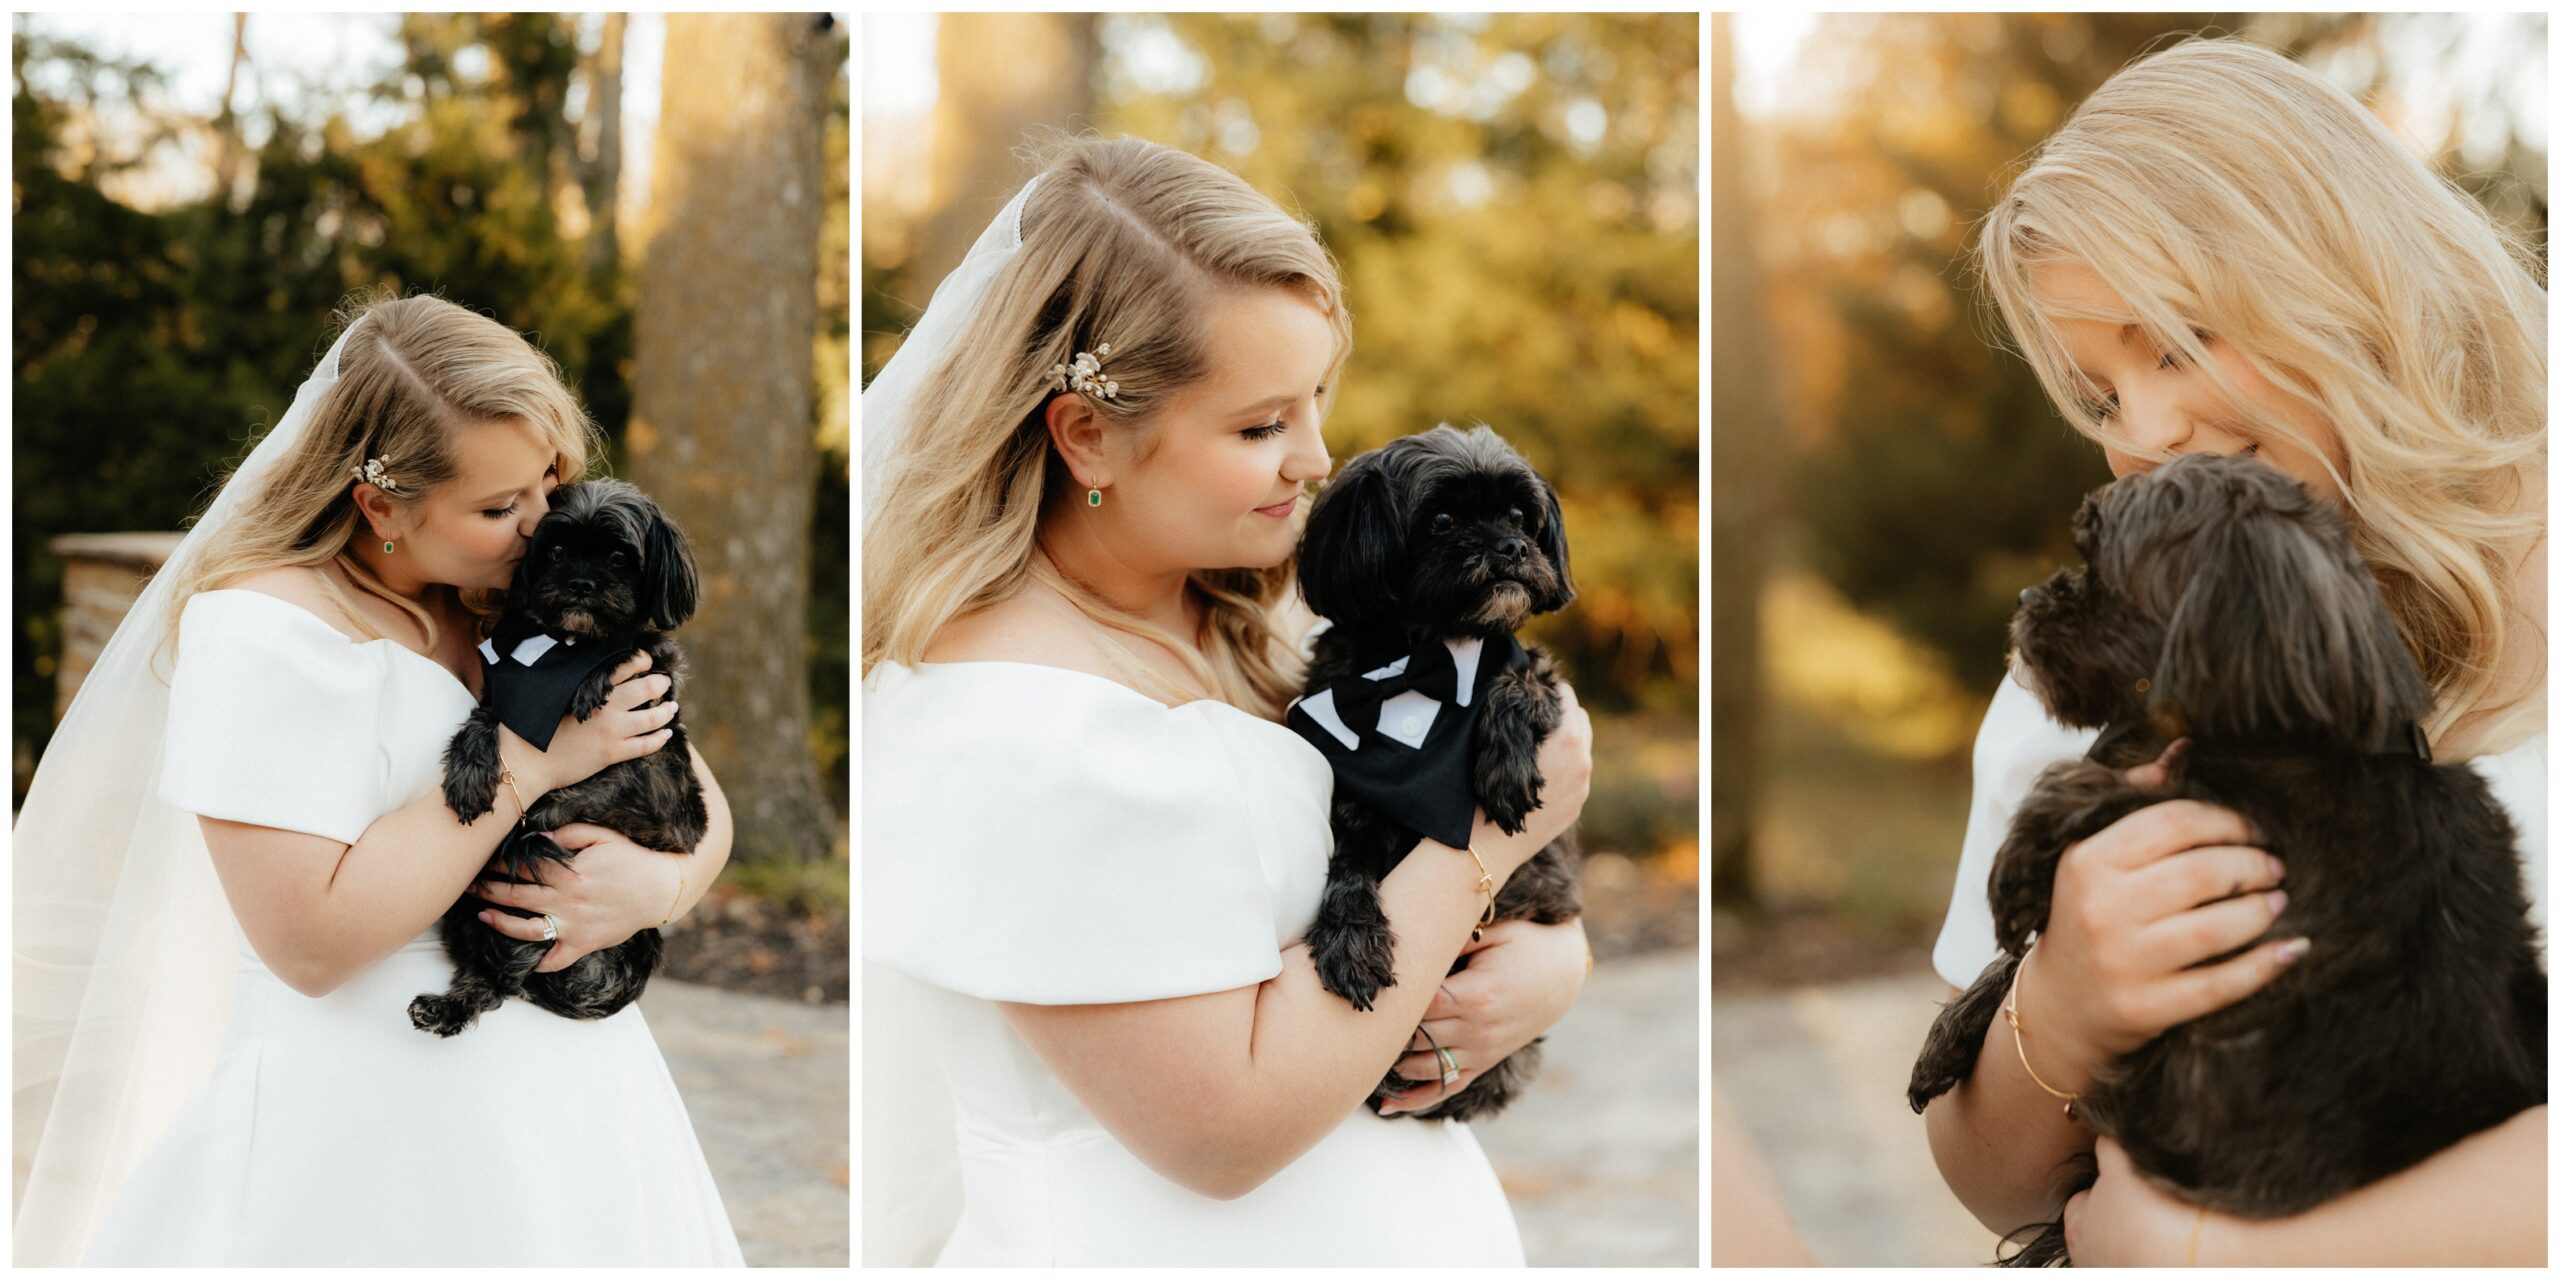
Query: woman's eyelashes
(1266, 430)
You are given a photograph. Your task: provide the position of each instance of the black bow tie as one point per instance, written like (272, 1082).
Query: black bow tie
(1429, 670)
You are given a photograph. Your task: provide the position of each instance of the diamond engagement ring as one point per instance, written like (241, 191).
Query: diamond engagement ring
(550, 927)
(1448, 1068)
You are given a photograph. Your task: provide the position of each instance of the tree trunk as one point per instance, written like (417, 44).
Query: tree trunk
(987, 107)
(721, 428)
(601, 175)
(1740, 511)
(226, 123)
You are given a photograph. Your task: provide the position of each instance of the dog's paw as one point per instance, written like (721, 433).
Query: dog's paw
(442, 1015)
(1509, 807)
(1354, 971)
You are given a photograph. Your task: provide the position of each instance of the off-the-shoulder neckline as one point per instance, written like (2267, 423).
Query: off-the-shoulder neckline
(1106, 684)
(323, 624)
(1084, 677)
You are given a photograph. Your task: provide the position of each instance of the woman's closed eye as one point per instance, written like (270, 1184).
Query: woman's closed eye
(1266, 430)
(501, 513)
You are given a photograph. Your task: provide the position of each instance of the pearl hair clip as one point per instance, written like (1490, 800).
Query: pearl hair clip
(372, 473)
(1086, 374)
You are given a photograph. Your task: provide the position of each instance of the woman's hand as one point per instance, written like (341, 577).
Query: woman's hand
(2133, 907)
(610, 891)
(1564, 763)
(619, 730)
(1518, 982)
(2124, 1221)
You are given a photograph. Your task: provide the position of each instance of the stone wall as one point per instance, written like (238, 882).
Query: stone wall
(102, 575)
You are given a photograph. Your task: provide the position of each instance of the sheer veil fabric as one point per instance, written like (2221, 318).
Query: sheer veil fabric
(888, 404)
(911, 1177)
(121, 960)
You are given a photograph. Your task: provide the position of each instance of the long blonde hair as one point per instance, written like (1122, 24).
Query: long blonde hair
(1123, 241)
(414, 369)
(2218, 187)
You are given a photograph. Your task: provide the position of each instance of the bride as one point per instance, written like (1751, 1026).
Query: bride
(232, 860)
(1091, 1035)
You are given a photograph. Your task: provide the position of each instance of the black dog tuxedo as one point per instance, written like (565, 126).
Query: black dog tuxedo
(1399, 734)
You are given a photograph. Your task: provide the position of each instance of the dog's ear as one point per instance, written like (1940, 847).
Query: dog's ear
(2280, 630)
(1551, 544)
(668, 584)
(1351, 561)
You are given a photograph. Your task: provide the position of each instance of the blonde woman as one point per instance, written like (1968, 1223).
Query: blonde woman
(229, 884)
(2221, 253)
(1089, 845)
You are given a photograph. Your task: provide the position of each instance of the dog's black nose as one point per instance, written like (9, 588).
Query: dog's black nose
(1511, 548)
(582, 586)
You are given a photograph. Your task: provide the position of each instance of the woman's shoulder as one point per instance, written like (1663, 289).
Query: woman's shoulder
(1020, 628)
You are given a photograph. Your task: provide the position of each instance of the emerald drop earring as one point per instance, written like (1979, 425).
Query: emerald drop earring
(386, 546)
(1093, 497)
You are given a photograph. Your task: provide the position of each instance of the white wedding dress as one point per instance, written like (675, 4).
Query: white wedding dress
(332, 1132)
(1045, 836)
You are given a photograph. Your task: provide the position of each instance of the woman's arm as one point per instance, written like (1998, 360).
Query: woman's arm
(1218, 1092)
(318, 911)
(615, 887)
(2482, 1202)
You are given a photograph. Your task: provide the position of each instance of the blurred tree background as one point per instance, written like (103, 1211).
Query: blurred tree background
(1923, 479)
(176, 269)
(1514, 202)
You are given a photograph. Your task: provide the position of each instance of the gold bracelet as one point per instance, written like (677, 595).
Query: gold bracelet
(1484, 881)
(508, 776)
(2195, 1236)
(671, 907)
(2017, 982)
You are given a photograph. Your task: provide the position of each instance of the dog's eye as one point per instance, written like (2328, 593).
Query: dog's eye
(620, 558)
(1518, 519)
(1443, 522)
(558, 551)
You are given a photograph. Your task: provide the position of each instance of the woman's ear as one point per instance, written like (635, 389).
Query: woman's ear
(1076, 432)
(379, 513)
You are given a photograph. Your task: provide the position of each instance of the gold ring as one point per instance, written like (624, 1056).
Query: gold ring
(550, 927)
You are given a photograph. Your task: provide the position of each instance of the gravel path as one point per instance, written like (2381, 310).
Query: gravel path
(764, 1080)
(1817, 1076)
(1600, 1155)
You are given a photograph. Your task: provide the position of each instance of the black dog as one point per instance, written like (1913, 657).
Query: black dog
(2224, 606)
(1432, 550)
(607, 575)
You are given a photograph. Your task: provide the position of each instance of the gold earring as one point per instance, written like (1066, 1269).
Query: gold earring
(386, 546)
(1093, 497)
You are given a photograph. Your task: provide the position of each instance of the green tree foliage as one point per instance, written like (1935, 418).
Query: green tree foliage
(1513, 199)
(153, 345)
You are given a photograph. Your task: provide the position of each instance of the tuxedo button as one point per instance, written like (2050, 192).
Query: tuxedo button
(1412, 725)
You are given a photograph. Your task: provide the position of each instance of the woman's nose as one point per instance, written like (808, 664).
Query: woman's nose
(2154, 423)
(1311, 462)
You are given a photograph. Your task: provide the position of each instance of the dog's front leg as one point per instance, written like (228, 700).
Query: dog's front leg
(1954, 1045)
(2071, 802)
(1521, 708)
(471, 766)
(1353, 949)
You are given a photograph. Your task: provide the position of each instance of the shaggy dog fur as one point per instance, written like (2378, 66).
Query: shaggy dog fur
(1442, 534)
(2225, 606)
(607, 566)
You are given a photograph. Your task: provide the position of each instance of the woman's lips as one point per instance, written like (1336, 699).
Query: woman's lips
(1278, 511)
